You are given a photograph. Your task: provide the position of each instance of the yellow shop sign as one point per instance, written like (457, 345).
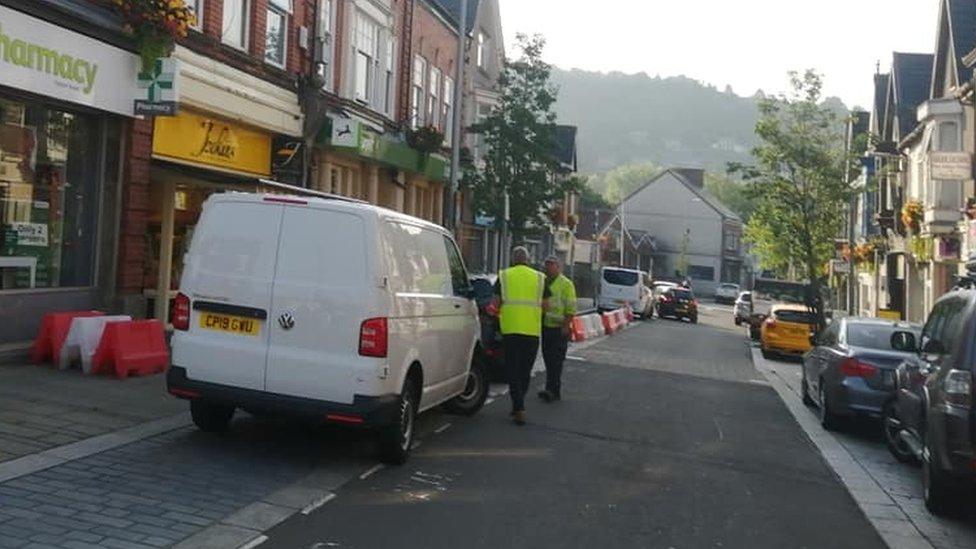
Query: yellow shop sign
(197, 139)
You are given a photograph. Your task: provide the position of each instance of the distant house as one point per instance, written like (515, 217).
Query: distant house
(682, 229)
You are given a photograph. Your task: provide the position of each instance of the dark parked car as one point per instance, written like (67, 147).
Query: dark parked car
(491, 335)
(679, 303)
(933, 419)
(851, 370)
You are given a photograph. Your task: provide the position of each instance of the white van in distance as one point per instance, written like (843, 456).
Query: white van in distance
(620, 287)
(331, 309)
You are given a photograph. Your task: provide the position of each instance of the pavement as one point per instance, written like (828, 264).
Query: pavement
(667, 437)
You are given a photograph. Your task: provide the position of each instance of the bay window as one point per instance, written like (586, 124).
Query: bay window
(234, 27)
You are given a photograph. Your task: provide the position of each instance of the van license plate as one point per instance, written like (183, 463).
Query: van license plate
(229, 323)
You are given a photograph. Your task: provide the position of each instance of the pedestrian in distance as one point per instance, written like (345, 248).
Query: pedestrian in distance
(521, 294)
(557, 325)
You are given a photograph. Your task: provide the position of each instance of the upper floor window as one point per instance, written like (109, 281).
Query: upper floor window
(324, 37)
(388, 76)
(482, 50)
(948, 136)
(417, 92)
(196, 6)
(366, 44)
(234, 30)
(276, 37)
(433, 98)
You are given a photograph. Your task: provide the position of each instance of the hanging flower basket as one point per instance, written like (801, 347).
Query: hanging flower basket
(911, 215)
(426, 139)
(155, 25)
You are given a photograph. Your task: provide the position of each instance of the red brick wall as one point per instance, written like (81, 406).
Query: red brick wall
(135, 208)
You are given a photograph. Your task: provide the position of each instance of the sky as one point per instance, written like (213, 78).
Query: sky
(748, 44)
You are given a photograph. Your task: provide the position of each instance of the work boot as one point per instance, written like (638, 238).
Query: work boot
(519, 417)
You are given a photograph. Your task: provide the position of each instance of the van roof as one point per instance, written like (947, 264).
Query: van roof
(334, 203)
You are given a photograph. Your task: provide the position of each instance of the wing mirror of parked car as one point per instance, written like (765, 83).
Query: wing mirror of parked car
(903, 341)
(932, 347)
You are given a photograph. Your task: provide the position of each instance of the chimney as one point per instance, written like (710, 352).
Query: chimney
(695, 176)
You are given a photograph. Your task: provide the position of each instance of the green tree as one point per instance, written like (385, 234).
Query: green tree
(520, 137)
(797, 182)
(621, 181)
(731, 192)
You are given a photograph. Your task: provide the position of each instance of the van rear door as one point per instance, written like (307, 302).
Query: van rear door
(228, 274)
(322, 293)
(620, 286)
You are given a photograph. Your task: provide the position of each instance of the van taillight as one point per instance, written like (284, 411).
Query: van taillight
(181, 312)
(373, 338)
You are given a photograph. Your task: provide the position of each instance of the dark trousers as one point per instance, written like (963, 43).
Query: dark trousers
(520, 351)
(554, 345)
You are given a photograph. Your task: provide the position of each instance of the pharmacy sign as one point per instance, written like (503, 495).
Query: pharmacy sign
(160, 94)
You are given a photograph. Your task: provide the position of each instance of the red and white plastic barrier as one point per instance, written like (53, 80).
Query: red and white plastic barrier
(601, 324)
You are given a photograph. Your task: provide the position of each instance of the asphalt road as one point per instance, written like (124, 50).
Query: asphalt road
(666, 437)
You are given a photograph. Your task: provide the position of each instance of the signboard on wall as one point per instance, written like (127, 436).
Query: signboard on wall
(950, 165)
(212, 142)
(46, 59)
(160, 89)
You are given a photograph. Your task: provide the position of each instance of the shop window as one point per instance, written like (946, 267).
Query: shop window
(276, 35)
(48, 197)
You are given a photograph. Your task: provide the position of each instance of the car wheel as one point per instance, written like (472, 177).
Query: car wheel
(805, 390)
(397, 438)
(210, 417)
(475, 391)
(891, 429)
(937, 492)
(766, 353)
(828, 419)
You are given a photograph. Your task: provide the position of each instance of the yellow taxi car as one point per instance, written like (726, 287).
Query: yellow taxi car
(787, 330)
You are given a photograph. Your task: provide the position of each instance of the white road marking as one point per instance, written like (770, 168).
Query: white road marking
(446, 426)
(318, 503)
(254, 542)
(489, 400)
(721, 436)
(759, 382)
(376, 468)
(578, 358)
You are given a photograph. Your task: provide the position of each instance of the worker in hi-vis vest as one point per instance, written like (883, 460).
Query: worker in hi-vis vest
(557, 324)
(521, 292)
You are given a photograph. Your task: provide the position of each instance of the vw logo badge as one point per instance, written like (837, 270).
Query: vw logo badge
(287, 321)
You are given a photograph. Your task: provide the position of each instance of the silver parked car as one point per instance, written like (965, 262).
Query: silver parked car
(742, 308)
(726, 293)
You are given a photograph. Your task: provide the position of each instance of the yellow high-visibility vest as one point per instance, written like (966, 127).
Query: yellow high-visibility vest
(562, 301)
(522, 289)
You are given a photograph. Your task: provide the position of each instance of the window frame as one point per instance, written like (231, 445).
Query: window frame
(273, 6)
(325, 38)
(435, 80)
(481, 45)
(198, 7)
(418, 97)
(245, 26)
(454, 259)
(363, 20)
(447, 108)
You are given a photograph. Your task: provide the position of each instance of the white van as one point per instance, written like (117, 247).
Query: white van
(326, 308)
(620, 286)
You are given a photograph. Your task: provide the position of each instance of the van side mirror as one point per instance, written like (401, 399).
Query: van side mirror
(904, 341)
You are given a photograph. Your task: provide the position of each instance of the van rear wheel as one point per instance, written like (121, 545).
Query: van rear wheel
(396, 439)
(475, 391)
(210, 417)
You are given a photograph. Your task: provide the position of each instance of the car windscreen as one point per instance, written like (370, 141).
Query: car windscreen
(798, 317)
(620, 278)
(872, 336)
(781, 291)
(681, 294)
